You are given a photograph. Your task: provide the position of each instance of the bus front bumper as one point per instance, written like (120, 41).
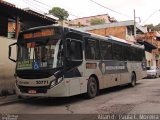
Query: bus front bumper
(60, 90)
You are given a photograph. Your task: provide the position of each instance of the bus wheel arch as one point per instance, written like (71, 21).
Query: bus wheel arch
(92, 86)
(133, 79)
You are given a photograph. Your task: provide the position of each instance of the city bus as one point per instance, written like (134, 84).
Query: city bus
(56, 61)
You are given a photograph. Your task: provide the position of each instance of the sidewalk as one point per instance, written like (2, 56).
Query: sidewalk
(9, 99)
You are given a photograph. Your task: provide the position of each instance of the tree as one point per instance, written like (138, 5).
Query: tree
(150, 26)
(96, 21)
(60, 13)
(153, 28)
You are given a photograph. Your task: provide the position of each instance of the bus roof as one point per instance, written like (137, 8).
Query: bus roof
(119, 40)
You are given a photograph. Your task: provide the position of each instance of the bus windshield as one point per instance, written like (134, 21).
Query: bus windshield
(39, 55)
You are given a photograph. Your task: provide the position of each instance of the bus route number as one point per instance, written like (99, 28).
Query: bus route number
(41, 82)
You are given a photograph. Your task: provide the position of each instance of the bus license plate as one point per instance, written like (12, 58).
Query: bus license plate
(32, 91)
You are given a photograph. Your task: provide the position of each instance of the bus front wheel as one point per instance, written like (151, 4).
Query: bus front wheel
(92, 88)
(133, 80)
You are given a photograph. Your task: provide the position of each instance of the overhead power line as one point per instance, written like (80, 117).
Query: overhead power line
(150, 16)
(50, 7)
(109, 9)
(42, 3)
(33, 5)
(39, 5)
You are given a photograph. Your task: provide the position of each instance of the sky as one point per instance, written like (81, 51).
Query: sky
(147, 11)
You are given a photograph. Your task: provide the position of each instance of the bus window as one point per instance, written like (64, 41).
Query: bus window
(74, 49)
(106, 50)
(129, 53)
(140, 54)
(116, 49)
(92, 51)
(124, 53)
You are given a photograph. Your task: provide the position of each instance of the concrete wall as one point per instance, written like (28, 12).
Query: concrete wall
(151, 60)
(7, 67)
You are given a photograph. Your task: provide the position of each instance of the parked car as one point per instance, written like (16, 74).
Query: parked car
(153, 72)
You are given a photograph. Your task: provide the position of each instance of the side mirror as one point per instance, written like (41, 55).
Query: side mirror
(10, 51)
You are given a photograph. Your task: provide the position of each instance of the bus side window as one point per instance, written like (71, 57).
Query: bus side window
(75, 50)
(106, 50)
(92, 51)
(116, 50)
(125, 53)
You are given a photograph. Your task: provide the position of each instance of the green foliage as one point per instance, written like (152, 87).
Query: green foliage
(96, 21)
(60, 13)
(153, 28)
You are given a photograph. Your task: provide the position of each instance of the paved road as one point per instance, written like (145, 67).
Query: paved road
(142, 99)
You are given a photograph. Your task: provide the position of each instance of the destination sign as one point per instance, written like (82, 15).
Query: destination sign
(42, 33)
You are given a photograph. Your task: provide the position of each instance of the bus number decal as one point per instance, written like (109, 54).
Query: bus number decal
(41, 82)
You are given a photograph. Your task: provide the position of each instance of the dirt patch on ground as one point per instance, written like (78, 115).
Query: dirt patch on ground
(117, 109)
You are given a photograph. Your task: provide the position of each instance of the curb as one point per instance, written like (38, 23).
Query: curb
(5, 101)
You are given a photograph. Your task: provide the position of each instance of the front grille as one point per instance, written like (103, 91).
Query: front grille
(33, 74)
(25, 89)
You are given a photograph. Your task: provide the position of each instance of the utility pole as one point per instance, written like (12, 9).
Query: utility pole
(134, 24)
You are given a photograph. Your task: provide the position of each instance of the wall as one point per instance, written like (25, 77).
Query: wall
(119, 32)
(3, 26)
(7, 67)
(86, 20)
(150, 57)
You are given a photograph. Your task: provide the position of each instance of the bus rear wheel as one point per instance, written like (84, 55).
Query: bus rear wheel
(92, 88)
(133, 80)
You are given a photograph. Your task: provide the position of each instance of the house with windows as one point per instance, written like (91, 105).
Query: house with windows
(122, 29)
(86, 21)
(152, 55)
(12, 21)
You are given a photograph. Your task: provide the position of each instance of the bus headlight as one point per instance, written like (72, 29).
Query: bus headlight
(56, 81)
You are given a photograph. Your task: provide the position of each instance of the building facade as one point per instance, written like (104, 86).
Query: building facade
(123, 30)
(153, 55)
(85, 21)
(11, 21)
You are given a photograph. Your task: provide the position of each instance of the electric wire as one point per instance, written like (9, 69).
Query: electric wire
(49, 7)
(110, 9)
(150, 16)
(33, 6)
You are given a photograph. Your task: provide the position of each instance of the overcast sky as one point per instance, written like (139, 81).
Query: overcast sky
(84, 8)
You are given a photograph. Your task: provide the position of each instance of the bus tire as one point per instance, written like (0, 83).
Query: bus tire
(133, 79)
(92, 88)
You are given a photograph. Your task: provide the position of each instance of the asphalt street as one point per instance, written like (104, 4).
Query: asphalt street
(144, 98)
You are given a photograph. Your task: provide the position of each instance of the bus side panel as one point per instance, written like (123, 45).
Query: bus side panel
(125, 78)
(138, 71)
(91, 68)
(83, 84)
(107, 80)
(136, 67)
(74, 86)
